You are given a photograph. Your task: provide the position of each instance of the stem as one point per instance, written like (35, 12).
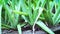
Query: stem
(40, 11)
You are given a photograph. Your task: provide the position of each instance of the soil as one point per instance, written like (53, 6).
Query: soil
(28, 30)
(24, 32)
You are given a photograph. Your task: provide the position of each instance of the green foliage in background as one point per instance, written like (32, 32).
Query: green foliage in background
(33, 12)
(0, 17)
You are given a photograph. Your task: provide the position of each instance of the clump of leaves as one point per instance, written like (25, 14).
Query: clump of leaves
(32, 11)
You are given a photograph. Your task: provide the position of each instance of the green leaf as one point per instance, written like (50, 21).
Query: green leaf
(19, 29)
(19, 12)
(44, 27)
(0, 17)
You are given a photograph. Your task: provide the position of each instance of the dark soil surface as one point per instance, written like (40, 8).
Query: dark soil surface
(28, 30)
(24, 32)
